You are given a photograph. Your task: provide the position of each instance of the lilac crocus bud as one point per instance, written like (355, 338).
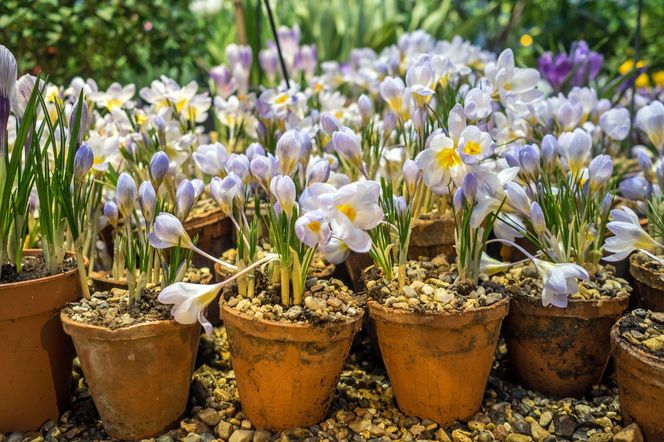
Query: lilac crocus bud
(238, 164)
(7, 89)
(328, 123)
(512, 159)
(159, 165)
(319, 172)
(633, 188)
(83, 160)
(83, 122)
(607, 203)
(24, 88)
(411, 172)
(253, 150)
(458, 199)
(199, 187)
(184, 199)
(529, 160)
(125, 194)
(239, 55)
(262, 168)
(389, 124)
(537, 218)
(224, 192)
(348, 145)
(366, 108)
(469, 186)
(400, 204)
(269, 60)
(283, 189)
(645, 164)
(111, 213)
(549, 148)
(288, 150)
(600, 171)
(223, 80)
(147, 200)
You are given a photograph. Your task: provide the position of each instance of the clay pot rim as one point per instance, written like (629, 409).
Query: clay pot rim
(643, 275)
(618, 343)
(291, 331)
(98, 275)
(325, 273)
(135, 331)
(204, 219)
(445, 319)
(43, 279)
(576, 308)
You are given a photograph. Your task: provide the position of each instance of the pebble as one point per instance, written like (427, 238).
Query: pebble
(224, 430)
(546, 418)
(631, 433)
(516, 437)
(242, 436)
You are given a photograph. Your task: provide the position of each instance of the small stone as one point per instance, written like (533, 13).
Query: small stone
(209, 416)
(537, 431)
(293, 313)
(315, 304)
(262, 436)
(417, 429)
(564, 425)
(165, 438)
(655, 344)
(522, 427)
(242, 436)
(461, 436)
(360, 425)
(192, 437)
(546, 418)
(657, 317)
(224, 430)
(485, 436)
(409, 291)
(246, 424)
(427, 289)
(443, 296)
(441, 435)
(516, 437)
(631, 433)
(601, 437)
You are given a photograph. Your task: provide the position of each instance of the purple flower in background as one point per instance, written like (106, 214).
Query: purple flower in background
(581, 63)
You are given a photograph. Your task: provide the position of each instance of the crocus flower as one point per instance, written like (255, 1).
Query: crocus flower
(474, 145)
(263, 168)
(240, 165)
(628, 235)
(254, 149)
(24, 87)
(147, 200)
(312, 228)
(348, 145)
(328, 123)
(283, 189)
(392, 89)
(125, 194)
(358, 203)
(633, 188)
(600, 171)
(189, 302)
(224, 192)
(365, 106)
(559, 280)
(477, 104)
(211, 159)
(318, 171)
(83, 159)
(650, 119)
(184, 199)
(7, 89)
(268, 58)
(111, 213)
(169, 232)
(288, 151)
(159, 165)
(529, 161)
(616, 123)
(440, 162)
(575, 149)
(537, 218)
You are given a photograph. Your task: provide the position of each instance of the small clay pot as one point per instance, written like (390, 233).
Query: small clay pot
(640, 378)
(286, 373)
(439, 363)
(648, 287)
(103, 283)
(432, 237)
(561, 352)
(214, 233)
(36, 355)
(139, 376)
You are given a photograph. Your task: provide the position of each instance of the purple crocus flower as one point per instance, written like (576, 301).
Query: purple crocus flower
(582, 63)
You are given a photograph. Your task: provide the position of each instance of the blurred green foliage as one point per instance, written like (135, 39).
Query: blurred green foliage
(135, 40)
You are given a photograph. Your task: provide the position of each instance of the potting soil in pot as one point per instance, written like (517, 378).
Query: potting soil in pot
(645, 329)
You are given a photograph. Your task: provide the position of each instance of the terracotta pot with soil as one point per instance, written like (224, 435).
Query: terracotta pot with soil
(36, 355)
(562, 351)
(638, 349)
(432, 235)
(137, 362)
(438, 339)
(287, 360)
(213, 230)
(648, 277)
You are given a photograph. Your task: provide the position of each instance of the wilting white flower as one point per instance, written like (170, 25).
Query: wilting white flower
(211, 159)
(189, 302)
(616, 123)
(650, 119)
(560, 280)
(628, 235)
(491, 266)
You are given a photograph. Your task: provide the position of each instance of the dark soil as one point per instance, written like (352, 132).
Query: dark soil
(645, 329)
(32, 267)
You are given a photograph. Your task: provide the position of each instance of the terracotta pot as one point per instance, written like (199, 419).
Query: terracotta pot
(648, 287)
(36, 355)
(286, 373)
(214, 232)
(432, 237)
(103, 283)
(439, 363)
(138, 376)
(561, 352)
(640, 377)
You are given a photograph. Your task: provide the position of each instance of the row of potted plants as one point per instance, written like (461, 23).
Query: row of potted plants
(437, 153)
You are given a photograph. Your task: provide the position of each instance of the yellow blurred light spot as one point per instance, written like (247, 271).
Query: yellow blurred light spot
(526, 40)
(642, 81)
(658, 78)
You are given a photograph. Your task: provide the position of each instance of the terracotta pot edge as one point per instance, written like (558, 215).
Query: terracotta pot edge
(44, 279)
(620, 344)
(136, 331)
(576, 308)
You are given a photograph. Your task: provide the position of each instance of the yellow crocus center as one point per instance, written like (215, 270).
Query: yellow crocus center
(314, 226)
(349, 211)
(113, 103)
(472, 148)
(281, 99)
(180, 104)
(448, 158)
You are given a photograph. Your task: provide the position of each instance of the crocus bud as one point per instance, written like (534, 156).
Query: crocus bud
(111, 213)
(288, 151)
(262, 169)
(224, 191)
(147, 200)
(633, 188)
(158, 168)
(24, 87)
(458, 199)
(319, 172)
(283, 189)
(7, 89)
(184, 199)
(269, 61)
(366, 108)
(83, 160)
(328, 123)
(645, 164)
(199, 187)
(253, 150)
(411, 172)
(125, 194)
(600, 171)
(83, 122)
(537, 218)
(529, 160)
(469, 186)
(512, 159)
(389, 124)
(238, 164)
(348, 145)
(549, 148)
(607, 202)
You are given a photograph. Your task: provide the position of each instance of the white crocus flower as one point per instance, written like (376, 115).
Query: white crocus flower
(560, 280)
(169, 232)
(312, 228)
(516, 87)
(211, 159)
(628, 236)
(116, 97)
(440, 163)
(650, 119)
(490, 193)
(616, 123)
(189, 302)
(474, 145)
(575, 149)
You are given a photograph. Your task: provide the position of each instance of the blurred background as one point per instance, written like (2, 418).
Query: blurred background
(134, 41)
